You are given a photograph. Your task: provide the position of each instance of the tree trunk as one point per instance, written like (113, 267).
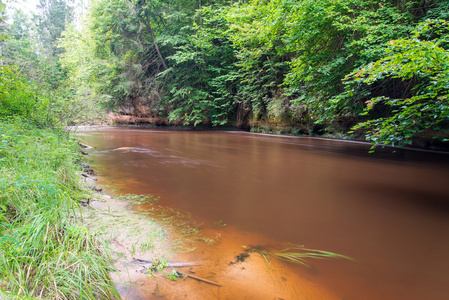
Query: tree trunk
(155, 44)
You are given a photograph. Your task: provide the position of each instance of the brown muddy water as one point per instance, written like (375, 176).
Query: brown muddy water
(388, 210)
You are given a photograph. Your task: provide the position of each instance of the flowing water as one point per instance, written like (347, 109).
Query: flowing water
(388, 210)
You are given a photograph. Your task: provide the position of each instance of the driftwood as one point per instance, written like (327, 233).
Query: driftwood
(180, 265)
(84, 145)
(198, 278)
(88, 176)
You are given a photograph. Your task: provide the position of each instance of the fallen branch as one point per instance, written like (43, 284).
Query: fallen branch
(88, 176)
(198, 278)
(84, 145)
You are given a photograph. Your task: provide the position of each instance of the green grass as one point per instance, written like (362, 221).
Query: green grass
(299, 255)
(44, 251)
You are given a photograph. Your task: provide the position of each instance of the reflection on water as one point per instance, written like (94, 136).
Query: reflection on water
(388, 210)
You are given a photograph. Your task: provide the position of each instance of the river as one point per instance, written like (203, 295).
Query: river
(388, 210)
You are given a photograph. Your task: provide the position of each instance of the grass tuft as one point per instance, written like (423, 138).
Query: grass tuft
(299, 255)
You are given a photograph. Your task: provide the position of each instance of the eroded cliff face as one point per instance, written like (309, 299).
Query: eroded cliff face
(279, 117)
(132, 119)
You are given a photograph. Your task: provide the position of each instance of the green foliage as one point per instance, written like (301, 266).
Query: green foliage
(17, 98)
(32, 77)
(51, 20)
(3, 36)
(20, 49)
(44, 252)
(121, 61)
(111, 23)
(422, 63)
(324, 42)
(249, 63)
(84, 74)
(332, 38)
(201, 87)
(260, 68)
(20, 99)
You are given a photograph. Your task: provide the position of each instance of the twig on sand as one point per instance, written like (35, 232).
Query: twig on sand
(171, 264)
(198, 278)
(181, 265)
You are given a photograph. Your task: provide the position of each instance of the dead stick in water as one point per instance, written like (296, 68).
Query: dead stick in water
(198, 278)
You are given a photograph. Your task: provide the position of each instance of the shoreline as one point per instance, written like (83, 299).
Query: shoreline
(419, 148)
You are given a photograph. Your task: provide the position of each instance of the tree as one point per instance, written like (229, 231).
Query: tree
(421, 63)
(225, 62)
(201, 87)
(52, 17)
(3, 35)
(21, 49)
(51, 20)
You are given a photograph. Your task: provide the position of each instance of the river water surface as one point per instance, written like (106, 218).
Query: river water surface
(388, 210)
